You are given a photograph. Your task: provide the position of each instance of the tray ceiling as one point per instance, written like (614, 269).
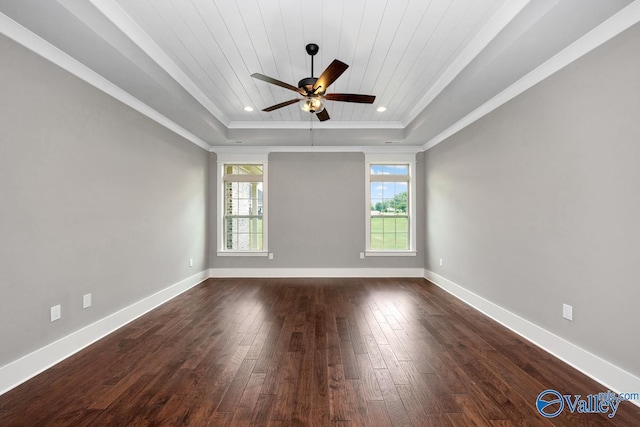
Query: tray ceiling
(191, 60)
(395, 49)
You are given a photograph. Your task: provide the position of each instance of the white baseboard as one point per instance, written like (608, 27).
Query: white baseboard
(609, 375)
(21, 370)
(315, 272)
(602, 371)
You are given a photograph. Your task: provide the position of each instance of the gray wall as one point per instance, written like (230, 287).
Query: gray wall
(317, 214)
(94, 197)
(537, 204)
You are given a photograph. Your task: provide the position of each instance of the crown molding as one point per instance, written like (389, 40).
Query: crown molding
(604, 32)
(46, 50)
(507, 12)
(316, 125)
(112, 11)
(413, 149)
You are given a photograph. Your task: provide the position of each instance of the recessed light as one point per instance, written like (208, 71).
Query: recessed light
(247, 108)
(381, 109)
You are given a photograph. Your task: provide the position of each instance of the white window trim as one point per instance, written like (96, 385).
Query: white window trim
(227, 252)
(247, 159)
(390, 159)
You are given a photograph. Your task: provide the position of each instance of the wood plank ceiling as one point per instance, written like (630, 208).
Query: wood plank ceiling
(396, 49)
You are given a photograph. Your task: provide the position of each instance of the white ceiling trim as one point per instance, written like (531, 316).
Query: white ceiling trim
(131, 29)
(41, 47)
(610, 28)
(498, 21)
(315, 149)
(316, 125)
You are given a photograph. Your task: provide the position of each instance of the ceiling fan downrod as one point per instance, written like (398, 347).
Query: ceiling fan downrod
(312, 50)
(307, 83)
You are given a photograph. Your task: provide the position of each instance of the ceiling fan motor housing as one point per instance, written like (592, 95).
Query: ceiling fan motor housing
(307, 83)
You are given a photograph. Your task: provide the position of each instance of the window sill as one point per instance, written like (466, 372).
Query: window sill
(243, 253)
(390, 253)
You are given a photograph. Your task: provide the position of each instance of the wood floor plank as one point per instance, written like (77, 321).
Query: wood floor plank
(377, 414)
(348, 360)
(270, 346)
(421, 388)
(368, 381)
(473, 414)
(377, 361)
(286, 387)
(262, 410)
(395, 407)
(393, 366)
(412, 403)
(259, 340)
(306, 352)
(339, 404)
(374, 326)
(248, 401)
(357, 402)
(304, 396)
(234, 393)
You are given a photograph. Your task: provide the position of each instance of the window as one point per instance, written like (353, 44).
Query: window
(242, 208)
(390, 206)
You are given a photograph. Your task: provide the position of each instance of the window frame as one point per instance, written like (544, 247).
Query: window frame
(237, 159)
(391, 159)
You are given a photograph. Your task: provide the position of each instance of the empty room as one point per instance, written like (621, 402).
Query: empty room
(319, 213)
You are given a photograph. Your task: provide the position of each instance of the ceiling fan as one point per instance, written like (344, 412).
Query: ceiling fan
(313, 89)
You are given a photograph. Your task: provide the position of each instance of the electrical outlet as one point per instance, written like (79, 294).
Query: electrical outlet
(86, 301)
(191, 262)
(440, 262)
(270, 255)
(56, 312)
(361, 255)
(567, 312)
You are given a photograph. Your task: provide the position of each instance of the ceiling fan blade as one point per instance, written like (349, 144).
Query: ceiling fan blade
(351, 97)
(323, 115)
(282, 104)
(328, 76)
(277, 82)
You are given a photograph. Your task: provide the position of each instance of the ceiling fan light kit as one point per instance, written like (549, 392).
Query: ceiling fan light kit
(314, 89)
(312, 104)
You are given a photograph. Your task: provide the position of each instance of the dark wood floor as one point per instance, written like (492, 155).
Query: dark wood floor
(305, 352)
